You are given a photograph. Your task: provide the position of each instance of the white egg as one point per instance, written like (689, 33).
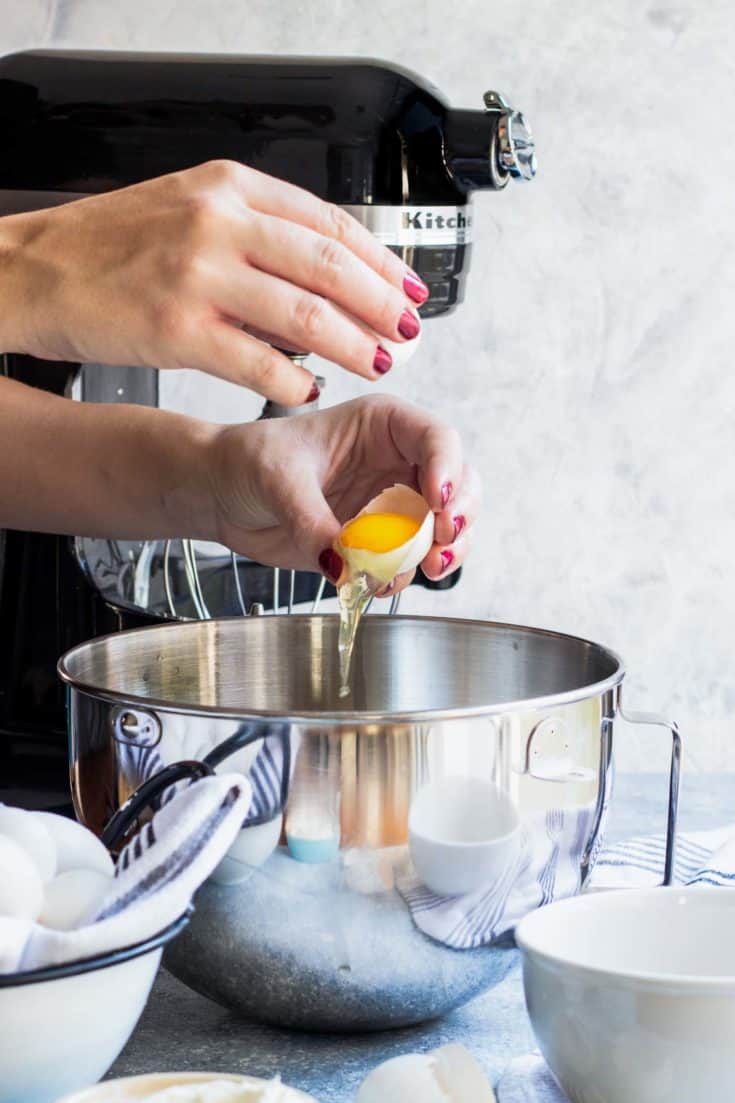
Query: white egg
(400, 351)
(21, 887)
(449, 1074)
(76, 846)
(385, 565)
(73, 898)
(29, 832)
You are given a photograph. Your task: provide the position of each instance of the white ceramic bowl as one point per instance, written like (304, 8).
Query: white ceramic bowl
(464, 834)
(62, 1027)
(140, 1087)
(631, 994)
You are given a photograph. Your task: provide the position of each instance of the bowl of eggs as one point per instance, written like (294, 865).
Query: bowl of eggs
(63, 1024)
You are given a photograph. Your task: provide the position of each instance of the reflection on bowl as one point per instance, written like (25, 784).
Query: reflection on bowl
(252, 847)
(63, 1026)
(631, 994)
(464, 835)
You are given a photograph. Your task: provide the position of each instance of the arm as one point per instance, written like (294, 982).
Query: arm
(94, 470)
(276, 491)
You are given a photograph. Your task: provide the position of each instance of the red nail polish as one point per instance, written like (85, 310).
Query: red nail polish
(459, 524)
(408, 325)
(383, 360)
(415, 288)
(331, 564)
(447, 489)
(313, 393)
(447, 558)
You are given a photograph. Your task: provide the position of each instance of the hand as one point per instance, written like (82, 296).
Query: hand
(283, 488)
(169, 274)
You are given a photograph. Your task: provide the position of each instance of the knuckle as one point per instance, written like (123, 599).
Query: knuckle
(266, 369)
(337, 223)
(169, 321)
(309, 315)
(330, 260)
(223, 172)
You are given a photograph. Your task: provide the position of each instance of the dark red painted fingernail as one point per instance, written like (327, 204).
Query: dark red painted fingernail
(331, 564)
(313, 393)
(415, 288)
(447, 558)
(408, 325)
(459, 524)
(447, 489)
(383, 361)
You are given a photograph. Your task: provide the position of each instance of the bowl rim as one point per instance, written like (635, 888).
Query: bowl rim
(631, 977)
(333, 718)
(96, 961)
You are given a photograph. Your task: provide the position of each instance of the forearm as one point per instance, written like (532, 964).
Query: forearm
(88, 469)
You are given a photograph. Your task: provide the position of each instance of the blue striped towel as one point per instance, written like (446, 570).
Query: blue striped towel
(547, 868)
(138, 763)
(702, 858)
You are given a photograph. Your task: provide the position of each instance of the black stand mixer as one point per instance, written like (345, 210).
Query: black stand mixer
(372, 137)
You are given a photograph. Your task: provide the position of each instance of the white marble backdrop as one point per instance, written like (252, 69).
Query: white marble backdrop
(589, 369)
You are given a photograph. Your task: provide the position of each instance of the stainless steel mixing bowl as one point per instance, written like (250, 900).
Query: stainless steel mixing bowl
(310, 927)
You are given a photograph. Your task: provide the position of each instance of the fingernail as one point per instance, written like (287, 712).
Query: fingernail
(408, 325)
(383, 360)
(415, 288)
(447, 558)
(459, 524)
(446, 493)
(331, 564)
(313, 393)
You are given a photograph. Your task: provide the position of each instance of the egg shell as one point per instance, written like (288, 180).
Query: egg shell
(400, 351)
(21, 887)
(410, 1077)
(27, 829)
(460, 1074)
(73, 898)
(76, 846)
(384, 566)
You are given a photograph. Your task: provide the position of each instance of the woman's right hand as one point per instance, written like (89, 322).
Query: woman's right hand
(203, 269)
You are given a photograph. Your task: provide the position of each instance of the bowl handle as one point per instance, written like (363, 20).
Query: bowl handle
(674, 777)
(120, 823)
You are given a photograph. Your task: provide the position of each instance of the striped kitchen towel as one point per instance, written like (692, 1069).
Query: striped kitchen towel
(547, 868)
(156, 877)
(138, 762)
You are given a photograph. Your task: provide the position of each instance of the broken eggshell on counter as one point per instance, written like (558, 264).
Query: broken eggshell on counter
(449, 1074)
(385, 566)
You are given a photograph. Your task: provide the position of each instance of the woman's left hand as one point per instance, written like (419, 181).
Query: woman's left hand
(283, 488)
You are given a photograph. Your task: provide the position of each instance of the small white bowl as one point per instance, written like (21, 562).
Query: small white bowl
(631, 994)
(140, 1087)
(464, 834)
(63, 1026)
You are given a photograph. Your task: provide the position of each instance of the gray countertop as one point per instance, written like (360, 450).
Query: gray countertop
(181, 1030)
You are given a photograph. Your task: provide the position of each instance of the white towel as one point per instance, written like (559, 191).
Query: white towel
(156, 877)
(702, 858)
(548, 868)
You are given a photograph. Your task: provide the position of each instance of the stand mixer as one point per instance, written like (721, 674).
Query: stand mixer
(369, 136)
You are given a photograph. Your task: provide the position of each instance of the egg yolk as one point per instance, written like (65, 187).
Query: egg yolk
(378, 532)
